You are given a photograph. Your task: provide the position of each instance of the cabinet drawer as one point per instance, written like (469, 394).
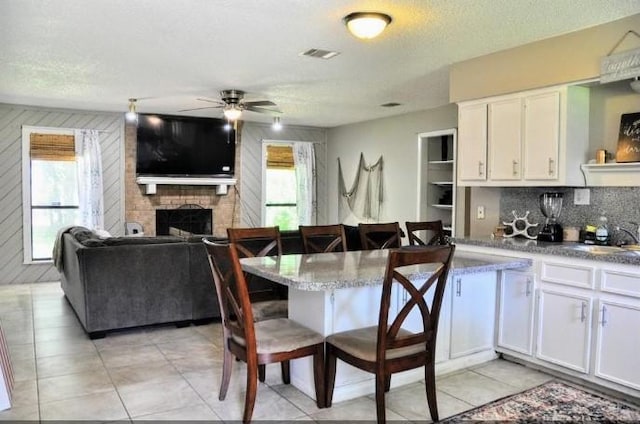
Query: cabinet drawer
(619, 282)
(570, 275)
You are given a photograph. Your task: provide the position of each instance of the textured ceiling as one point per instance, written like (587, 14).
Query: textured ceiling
(95, 54)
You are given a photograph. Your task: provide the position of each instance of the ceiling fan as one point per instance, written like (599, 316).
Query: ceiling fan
(233, 104)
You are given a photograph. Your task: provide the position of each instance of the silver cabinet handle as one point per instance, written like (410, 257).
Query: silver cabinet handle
(480, 168)
(583, 313)
(458, 287)
(515, 168)
(604, 317)
(528, 289)
(551, 166)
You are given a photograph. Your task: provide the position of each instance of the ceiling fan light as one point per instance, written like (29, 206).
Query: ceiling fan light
(366, 25)
(277, 125)
(131, 114)
(232, 112)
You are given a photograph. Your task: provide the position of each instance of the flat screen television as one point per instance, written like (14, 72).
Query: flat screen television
(181, 146)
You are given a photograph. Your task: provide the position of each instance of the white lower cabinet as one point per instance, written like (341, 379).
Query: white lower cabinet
(564, 329)
(515, 323)
(473, 313)
(618, 342)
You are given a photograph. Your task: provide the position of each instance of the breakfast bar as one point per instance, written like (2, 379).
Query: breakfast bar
(333, 292)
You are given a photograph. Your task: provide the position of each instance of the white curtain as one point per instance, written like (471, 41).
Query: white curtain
(90, 192)
(304, 160)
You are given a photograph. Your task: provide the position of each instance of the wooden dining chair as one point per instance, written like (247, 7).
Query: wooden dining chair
(257, 343)
(433, 233)
(388, 348)
(323, 238)
(380, 236)
(269, 298)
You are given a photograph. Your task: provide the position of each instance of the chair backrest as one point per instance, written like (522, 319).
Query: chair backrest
(323, 238)
(433, 233)
(388, 333)
(380, 236)
(232, 292)
(260, 241)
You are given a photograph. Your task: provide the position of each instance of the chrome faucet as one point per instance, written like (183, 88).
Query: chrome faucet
(636, 236)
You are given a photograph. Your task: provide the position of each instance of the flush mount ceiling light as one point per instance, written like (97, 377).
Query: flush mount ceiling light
(635, 85)
(277, 125)
(366, 25)
(232, 112)
(131, 114)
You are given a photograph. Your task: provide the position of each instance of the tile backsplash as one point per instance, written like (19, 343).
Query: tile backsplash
(619, 204)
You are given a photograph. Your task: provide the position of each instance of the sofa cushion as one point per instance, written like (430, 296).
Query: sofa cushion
(124, 241)
(81, 233)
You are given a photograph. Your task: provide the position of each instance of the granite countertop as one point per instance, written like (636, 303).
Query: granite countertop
(566, 249)
(329, 271)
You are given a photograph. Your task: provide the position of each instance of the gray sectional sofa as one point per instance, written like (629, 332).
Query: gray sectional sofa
(123, 282)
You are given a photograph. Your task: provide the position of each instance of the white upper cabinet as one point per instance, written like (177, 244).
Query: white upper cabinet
(472, 153)
(532, 138)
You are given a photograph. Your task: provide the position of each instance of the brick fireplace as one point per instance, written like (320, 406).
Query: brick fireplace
(140, 207)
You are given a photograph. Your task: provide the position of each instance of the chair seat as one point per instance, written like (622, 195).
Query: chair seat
(281, 335)
(362, 343)
(269, 309)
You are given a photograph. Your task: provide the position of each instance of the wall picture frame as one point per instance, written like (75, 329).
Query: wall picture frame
(629, 138)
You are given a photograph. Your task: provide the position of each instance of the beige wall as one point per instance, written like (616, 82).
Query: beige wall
(396, 140)
(563, 59)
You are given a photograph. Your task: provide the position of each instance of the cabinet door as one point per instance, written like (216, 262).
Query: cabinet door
(617, 357)
(472, 142)
(564, 330)
(515, 324)
(541, 136)
(414, 320)
(505, 138)
(473, 313)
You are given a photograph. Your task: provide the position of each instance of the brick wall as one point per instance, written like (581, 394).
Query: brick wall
(140, 207)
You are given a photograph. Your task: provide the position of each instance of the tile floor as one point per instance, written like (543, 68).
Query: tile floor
(166, 373)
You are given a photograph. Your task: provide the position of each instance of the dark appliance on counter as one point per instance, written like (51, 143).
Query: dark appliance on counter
(551, 206)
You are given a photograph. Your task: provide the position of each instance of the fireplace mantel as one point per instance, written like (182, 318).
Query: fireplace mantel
(151, 183)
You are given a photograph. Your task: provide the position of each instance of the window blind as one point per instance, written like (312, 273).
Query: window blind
(57, 147)
(279, 156)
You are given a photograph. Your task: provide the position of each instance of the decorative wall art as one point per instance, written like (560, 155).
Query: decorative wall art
(364, 198)
(629, 138)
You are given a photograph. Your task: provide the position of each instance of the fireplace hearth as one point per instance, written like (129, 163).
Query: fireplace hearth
(192, 219)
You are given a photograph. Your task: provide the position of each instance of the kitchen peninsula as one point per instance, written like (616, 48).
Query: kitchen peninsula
(332, 292)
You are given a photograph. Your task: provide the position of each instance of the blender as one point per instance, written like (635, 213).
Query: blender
(550, 206)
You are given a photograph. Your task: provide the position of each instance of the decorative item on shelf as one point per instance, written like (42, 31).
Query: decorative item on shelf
(520, 226)
(629, 138)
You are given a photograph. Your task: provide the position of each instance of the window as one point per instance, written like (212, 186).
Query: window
(50, 188)
(280, 207)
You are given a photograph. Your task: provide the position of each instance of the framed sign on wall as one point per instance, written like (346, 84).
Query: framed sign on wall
(629, 138)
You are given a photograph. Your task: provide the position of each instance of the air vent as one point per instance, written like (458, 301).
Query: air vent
(320, 54)
(391, 104)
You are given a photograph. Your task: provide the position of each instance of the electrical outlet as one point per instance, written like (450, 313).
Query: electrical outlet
(581, 196)
(480, 212)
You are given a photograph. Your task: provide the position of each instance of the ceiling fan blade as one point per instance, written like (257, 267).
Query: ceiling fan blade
(200, 108)
(210, 101)
(259, 103)
(261, 109)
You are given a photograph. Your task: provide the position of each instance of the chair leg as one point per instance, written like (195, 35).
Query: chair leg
(430, 384)
(252, 389)
(227, 366)
(381, 381)
(286, 375)
(387, 383)
(330, 375)
(318, 377)
(262, 373)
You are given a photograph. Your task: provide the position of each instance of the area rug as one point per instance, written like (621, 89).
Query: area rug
(552, 401)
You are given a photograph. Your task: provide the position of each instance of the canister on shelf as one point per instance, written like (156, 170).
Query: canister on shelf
(601, 156)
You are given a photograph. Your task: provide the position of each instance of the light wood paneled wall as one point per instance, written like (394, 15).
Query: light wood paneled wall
(12, 118)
